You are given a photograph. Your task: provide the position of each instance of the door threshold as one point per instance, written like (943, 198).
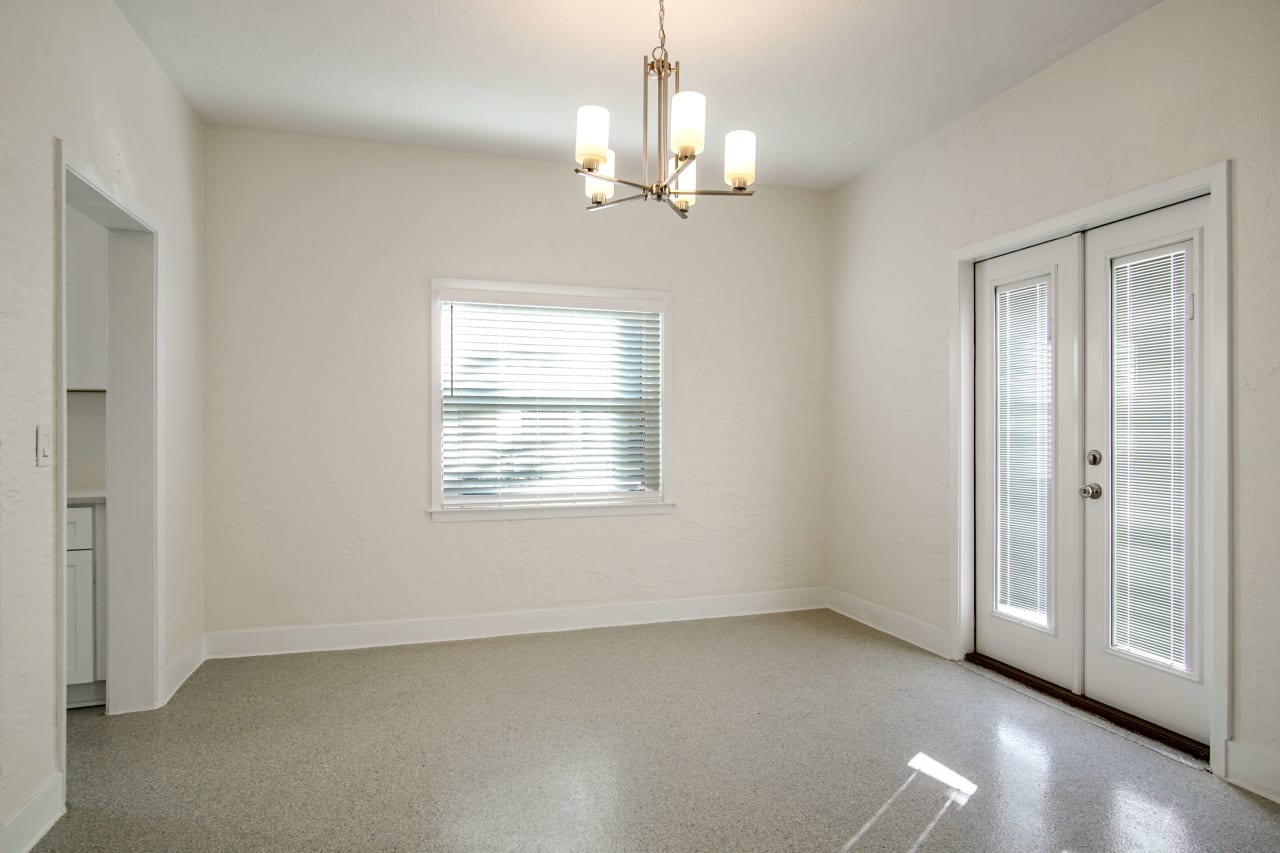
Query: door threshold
(1123, 719)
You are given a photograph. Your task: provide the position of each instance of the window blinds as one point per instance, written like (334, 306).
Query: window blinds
(1024, 449)
(549, 405)
(1149, 458)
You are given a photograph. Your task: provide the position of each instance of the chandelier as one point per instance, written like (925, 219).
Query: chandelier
(681, 122)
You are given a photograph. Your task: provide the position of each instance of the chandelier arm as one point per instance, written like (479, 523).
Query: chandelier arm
(671, 204)
(671, 180)
(600, 177)
(714, 192)
(615, 201)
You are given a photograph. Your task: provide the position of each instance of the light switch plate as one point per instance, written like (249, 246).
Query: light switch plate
(44, 446)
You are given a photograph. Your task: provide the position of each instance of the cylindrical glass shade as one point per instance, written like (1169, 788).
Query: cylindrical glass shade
(739, 158)
(688, 123)
(686, 181)
(593, 137)
(601, 191)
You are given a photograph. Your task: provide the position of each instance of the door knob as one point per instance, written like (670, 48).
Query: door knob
(1092, 491)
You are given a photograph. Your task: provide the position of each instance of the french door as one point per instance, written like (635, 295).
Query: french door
(1086, 387)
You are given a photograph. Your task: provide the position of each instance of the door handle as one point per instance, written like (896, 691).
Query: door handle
(1092, 491)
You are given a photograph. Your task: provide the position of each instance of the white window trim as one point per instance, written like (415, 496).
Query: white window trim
(570, 296)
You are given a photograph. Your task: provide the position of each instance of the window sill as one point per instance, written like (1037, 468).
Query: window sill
(510, 513)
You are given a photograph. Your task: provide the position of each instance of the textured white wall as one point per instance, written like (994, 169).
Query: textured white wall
(77, 71)
(320, 253)
(1184, 85)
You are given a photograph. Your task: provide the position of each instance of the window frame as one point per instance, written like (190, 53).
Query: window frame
(550, 295)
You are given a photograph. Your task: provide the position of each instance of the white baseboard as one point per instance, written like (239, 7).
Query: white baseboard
(181, 667)
(1254, 769)
(928, 637)
(356, 635)
(37, 817)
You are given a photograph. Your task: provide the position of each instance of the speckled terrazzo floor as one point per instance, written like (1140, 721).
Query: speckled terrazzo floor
(782, 732)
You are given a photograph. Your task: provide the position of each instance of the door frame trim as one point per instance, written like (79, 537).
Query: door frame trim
(135, 596)
(1215, 313)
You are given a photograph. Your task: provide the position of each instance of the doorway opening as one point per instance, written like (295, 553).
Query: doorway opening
(106, 451)
(1057, 382)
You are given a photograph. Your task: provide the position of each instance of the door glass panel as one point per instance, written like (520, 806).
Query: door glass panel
(1024, 450)
(1149, 583)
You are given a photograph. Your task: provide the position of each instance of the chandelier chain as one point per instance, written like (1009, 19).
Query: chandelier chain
(660, 52)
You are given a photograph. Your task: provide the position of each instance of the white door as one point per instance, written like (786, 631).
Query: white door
(1144, 637)
(1028, 583)
(1086, 482)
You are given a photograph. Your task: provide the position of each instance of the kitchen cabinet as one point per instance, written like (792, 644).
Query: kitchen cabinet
(80, 591)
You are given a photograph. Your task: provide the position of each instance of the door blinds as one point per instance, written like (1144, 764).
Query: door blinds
(1149, 457)
(1024, 449)
(549, 405)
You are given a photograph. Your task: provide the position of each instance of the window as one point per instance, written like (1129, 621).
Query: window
(1149, 577)
(546, 400)
(1024, 449)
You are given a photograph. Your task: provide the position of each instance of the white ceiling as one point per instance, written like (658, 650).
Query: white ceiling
(829, 86)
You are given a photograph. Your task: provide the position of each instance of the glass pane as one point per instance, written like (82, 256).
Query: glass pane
(1149, 458)
(1024, 450)
(545, 404)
